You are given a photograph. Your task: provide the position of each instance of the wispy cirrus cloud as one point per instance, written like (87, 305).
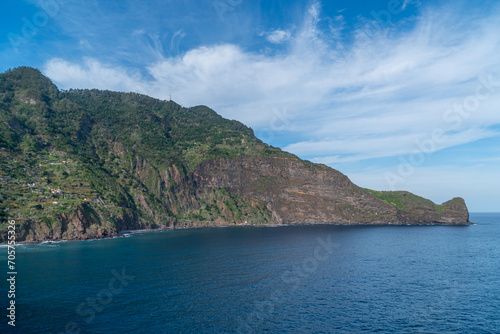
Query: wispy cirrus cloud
(406, 3)
(370, 148)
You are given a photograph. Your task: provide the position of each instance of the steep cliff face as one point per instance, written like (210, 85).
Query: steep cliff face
(459, 209)
(84, 164)
(296, 191)
(87, 221)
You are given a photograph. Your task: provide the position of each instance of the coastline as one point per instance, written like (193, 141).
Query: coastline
(128, 233)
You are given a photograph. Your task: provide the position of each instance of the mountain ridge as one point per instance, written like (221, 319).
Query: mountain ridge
(81, 164)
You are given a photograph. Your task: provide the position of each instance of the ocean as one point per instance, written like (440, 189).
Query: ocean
(290, 279)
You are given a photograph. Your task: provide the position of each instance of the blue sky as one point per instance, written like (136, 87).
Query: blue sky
(396, 94)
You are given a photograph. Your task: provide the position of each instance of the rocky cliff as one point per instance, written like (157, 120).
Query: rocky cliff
(296, 191)
(87, 164)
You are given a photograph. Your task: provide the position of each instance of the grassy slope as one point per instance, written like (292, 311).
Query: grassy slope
(405, 200)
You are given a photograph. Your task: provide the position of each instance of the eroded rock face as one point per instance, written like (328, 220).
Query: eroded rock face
(291, 190)
(270, 190)
(459, 208)
(296, 191)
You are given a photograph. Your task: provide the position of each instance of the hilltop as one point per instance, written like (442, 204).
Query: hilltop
(81, 164)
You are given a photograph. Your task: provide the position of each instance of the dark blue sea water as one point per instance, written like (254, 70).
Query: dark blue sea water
(300, 279)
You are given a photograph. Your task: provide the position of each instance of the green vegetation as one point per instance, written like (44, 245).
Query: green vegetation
(404, 200)
(62, 149)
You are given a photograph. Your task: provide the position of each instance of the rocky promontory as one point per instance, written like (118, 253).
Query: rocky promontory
(83, 164)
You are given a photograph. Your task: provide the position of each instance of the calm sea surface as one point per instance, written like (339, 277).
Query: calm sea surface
(301, 279)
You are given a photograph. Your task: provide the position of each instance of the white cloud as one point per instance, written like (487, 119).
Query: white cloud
(93, 74)
(355, 149)
(278, 36)
(373, 97)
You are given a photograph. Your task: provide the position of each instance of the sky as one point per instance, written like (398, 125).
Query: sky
(396, 94)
